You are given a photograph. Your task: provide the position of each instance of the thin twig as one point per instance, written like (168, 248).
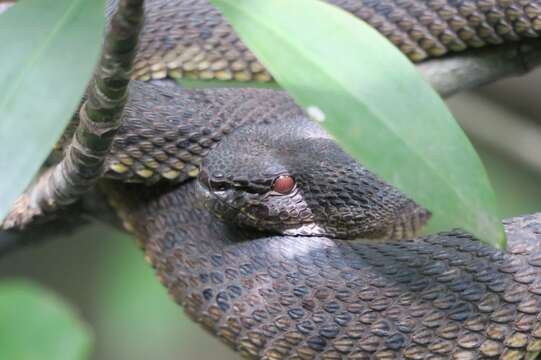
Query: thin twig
(99, 117)
(69, 221)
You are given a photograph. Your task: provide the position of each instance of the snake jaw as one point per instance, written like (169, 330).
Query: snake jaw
(309, 229)
(264, 212)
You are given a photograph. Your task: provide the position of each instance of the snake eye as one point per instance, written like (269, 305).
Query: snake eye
(283, 184)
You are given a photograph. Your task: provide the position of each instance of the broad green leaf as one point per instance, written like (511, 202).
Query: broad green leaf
(36, 325)
(49, 50)
(374, 102)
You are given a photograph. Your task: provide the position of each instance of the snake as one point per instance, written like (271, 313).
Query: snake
(278, 242)
(191, 39)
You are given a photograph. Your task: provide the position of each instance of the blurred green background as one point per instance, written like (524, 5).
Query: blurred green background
(102, 273)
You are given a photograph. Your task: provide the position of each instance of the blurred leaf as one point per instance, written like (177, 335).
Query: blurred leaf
(137, 320)
(35, 324)
(374, 102)
(50, 49)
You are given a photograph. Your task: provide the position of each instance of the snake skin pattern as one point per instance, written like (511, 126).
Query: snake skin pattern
(444, 296)
(167, 132)
(304, 297)
(190, 39)
(332, 194)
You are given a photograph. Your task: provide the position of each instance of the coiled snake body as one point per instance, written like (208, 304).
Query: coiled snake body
(274, 278)
(189, 38)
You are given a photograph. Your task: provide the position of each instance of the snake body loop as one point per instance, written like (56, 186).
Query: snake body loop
(189, 38)
(445, 296)
(269, 296)
(303, 297)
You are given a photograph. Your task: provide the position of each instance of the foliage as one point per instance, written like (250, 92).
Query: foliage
(37, 325)
(51, 58)
(375, 103)
(53, 46)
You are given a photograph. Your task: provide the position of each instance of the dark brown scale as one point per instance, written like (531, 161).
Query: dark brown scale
(167, 132)
(268, 136)
(442, 296)
(190, 39)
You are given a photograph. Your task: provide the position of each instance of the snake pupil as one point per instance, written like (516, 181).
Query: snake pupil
(283, 184)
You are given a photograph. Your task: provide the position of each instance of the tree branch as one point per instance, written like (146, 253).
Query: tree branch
(99, 118)
(68, 221)
(92, 208)
(474, 68)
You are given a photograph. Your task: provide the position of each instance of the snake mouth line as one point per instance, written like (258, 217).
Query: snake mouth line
(297, 230)
(224, 211)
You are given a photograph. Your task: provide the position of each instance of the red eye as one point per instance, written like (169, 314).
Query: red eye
(283, 184)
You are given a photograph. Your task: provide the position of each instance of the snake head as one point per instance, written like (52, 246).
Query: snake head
(291, 178)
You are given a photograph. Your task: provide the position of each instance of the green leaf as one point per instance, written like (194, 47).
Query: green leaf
(36, 325)
(134, 304)
(50, 49)
(374, 102)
